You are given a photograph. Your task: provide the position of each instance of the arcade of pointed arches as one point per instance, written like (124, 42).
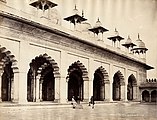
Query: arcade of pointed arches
(149, 95)
(44, 73)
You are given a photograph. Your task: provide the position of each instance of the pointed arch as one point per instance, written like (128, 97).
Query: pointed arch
(145, 96)
(51, 62)
(105, 74)
(8, 66)
(154, 96)
(78, 66)
(41, 79)
(100, 79)
(77, 75)
(133, 79)
(131, 87)
(118, 81)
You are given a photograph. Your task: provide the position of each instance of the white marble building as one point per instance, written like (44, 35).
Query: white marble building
(40, 60)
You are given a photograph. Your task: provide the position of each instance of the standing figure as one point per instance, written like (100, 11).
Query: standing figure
(92, 101)
(73, 102)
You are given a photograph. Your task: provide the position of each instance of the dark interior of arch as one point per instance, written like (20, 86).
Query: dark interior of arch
(98, 86)
(75, 83)
(154, 96)
(6, 82)
(48, 86)
(116, 87)
(145, 96)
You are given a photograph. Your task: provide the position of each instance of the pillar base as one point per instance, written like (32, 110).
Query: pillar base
(15, 100)
(38, 100)
(22, 101)
(107, 100)
(56, 100)
(0, 100)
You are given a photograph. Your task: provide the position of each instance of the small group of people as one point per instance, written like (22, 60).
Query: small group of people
(76, 102)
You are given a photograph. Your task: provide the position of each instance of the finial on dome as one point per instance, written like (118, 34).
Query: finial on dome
(98, 19)
(75, 6)
(116, 32)
(138, 36)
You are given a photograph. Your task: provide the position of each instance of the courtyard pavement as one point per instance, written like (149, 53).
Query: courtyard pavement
(106, 111)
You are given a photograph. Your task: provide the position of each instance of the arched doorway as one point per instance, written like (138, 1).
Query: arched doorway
(41, 79)
(154, 96)
(7, 65)
(100, 76)
(131, 85)
(118, 81)
(145, 96)
(77, 73)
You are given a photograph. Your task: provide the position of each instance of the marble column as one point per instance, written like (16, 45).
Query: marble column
(150, 97)
(57, 84)
(86, 89)
(126, 85)
(91, 77)
(107, 91)
(63, 86)
(122, 94)
(16, 85)
(12, 89)
(9, 87)
(1, 73)
(37, 88)
(40, 89)
(34, 89)
(134, 92)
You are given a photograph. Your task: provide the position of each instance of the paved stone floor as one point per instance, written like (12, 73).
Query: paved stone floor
(107, 111)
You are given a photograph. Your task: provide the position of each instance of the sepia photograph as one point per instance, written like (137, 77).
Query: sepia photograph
(78, 59)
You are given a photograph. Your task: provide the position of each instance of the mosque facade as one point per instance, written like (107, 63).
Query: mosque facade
(40, 60)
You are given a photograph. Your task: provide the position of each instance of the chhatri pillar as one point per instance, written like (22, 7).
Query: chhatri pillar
(98, 29)
(75, 18)
(116, 39)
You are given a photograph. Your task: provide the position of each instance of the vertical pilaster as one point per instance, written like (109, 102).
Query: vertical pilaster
(63, 81)
(16, 86)
(134, 92)
(111, 82)
(57, 89)
(22, 87)
(107, 91)
(91, 75)
(126, 84)
(86, 89)
(23, 67)
(1, 73)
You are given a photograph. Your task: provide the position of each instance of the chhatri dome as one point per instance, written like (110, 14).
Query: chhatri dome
(75, 11)
(98, 23)
(85, 26)
(55, 16)
(140, 43)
